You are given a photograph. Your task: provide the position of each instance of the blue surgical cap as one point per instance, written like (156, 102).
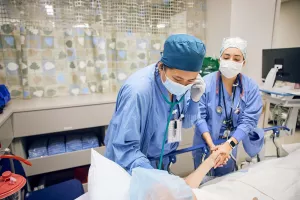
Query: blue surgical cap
(184, 52)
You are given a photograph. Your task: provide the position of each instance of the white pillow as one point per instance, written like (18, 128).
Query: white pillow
(107, 180)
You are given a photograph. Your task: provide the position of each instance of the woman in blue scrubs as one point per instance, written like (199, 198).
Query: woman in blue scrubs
(166, 93)
(229, 109)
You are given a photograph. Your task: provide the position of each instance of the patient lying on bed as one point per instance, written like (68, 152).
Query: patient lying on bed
(277, 179)
(156, 184)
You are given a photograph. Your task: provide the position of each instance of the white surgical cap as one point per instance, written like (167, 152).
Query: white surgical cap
(234, 42)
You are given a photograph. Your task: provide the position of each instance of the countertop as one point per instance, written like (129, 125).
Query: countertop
(21, 105)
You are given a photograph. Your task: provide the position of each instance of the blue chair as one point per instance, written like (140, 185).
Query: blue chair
(68, 190)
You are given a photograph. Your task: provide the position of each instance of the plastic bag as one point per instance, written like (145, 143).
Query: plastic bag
(89, 140)
(38, 148)
(73, 143)
(56, 145)
(153, 184)
(209, 65)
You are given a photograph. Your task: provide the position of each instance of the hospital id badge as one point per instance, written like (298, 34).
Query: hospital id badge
(174, 131)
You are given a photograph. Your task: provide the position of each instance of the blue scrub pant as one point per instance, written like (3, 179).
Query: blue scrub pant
(165, 164)
(220, 171)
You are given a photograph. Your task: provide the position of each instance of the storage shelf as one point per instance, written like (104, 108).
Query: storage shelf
(64, 119)
(60, 161)
(6, 134)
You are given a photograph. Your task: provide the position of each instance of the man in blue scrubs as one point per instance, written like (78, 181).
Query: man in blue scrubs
(164, 93)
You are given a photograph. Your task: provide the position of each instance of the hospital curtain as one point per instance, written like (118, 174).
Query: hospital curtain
(54, 48)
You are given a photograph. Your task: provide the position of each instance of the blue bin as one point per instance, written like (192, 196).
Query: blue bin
(4, 97)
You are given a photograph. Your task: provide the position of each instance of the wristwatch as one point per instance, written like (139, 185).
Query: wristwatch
(231, 143)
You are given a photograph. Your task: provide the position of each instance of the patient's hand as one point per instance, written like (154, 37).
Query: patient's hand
(213, 158)
(220, 154)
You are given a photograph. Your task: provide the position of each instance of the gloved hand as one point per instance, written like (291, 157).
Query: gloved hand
(198, 89)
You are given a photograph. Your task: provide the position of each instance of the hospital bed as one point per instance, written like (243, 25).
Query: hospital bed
(172, 156)
(62, 190)
(275, 179)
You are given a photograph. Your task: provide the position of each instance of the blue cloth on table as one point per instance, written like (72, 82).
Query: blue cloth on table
(56, 145)
(89, 141)
(73, 143)
(38, 148)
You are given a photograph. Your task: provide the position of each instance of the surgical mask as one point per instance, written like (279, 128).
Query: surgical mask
(176, 88)
(230, 68)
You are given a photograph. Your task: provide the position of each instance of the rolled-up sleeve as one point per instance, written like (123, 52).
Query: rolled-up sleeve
(248, 120)
(201, 124)
(125, 130)
(191, 114)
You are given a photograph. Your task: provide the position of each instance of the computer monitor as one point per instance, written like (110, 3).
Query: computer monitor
(289, 58)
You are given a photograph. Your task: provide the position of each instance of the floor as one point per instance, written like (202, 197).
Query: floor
(269, 147)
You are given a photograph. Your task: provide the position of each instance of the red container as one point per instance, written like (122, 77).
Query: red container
(10, 184)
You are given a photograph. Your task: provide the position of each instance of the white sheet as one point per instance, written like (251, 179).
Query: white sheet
(277, 179)
(289, 148)
(83, 197)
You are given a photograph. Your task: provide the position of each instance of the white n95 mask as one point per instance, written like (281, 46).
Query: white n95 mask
(176, 88)
(230, 68)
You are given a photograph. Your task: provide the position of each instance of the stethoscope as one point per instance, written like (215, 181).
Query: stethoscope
(172, 104)
(219, 108)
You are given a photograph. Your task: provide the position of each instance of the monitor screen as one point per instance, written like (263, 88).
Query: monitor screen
(289, 58)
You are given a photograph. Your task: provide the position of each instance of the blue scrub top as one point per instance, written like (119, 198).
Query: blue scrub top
(229, 104)
(137, 128)
(250, 104)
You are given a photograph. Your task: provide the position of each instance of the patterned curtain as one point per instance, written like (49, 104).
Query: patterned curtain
(54, 48)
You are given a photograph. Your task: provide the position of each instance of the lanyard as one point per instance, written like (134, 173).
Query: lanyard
(172, 104)
(228, 121)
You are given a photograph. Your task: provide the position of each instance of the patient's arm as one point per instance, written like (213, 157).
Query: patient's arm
(196, 177)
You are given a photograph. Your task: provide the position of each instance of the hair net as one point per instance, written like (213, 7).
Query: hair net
(184, 52)
(234, 42)
(153, 184)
